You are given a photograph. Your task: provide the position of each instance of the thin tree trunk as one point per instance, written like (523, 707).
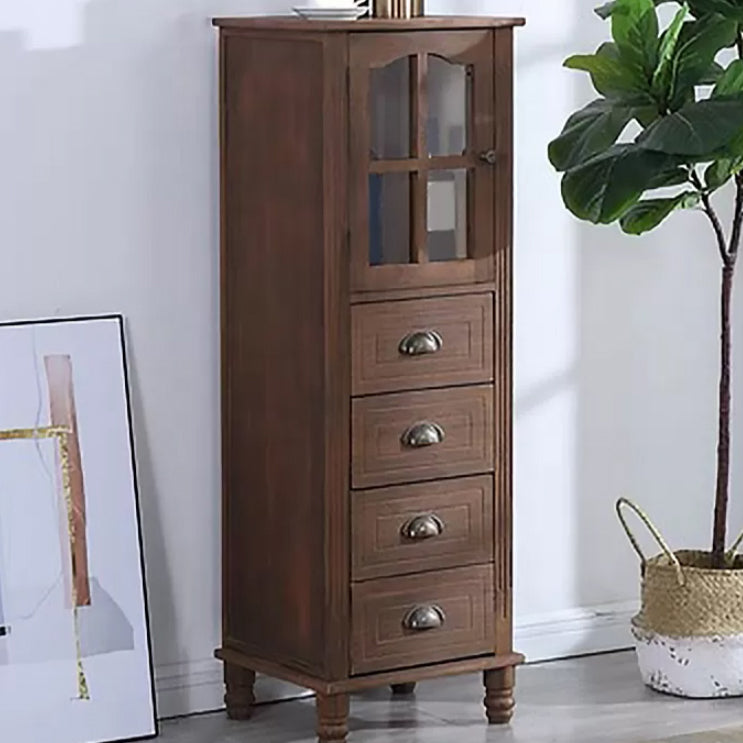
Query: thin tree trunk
(723, 441)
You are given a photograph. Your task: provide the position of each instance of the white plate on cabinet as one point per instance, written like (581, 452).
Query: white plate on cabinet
(345, 13)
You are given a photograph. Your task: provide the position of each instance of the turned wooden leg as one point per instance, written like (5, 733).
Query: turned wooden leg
(403, 689)
(499, 702)
(239, 698)
(332, 718)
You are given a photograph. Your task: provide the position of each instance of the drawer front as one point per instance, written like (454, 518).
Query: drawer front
(422, 436)
(413, 528)
(420, 619)
(422, 343)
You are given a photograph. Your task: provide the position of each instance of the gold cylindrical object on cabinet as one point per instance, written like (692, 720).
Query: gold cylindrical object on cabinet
(384, 8)
(397, 8)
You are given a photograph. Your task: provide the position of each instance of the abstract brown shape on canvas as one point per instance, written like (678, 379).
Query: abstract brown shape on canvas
(63, 414)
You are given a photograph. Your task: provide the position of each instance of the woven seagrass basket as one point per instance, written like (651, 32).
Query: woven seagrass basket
(689, 631)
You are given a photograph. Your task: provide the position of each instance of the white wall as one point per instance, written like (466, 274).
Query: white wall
(108, 202)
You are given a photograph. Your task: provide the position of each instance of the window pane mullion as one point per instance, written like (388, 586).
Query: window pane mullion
(419, 190)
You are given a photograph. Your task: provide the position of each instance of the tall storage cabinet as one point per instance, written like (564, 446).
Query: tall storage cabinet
(366, 356)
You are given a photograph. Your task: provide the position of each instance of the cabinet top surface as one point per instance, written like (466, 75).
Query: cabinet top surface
(291, 23)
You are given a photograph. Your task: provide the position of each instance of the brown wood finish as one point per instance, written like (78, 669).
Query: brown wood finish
(368, 51)
(337, 355)
(332, 718)
(239, 698)
(499, 703)
(380, 638)
(443, 162)
(427, 23)
(464, 324)
(318, 578)
(282, 312)
(403, 690)
(355, 684)
(464, 508)
(503, 208)
(379, 456)
(393, 295)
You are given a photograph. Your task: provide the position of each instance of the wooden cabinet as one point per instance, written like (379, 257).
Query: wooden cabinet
(366, 356)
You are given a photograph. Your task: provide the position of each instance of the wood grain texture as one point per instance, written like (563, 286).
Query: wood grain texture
(281, 313)
(380, 457)
(464, 507)
(427, 23)
(421, 162)
(299, 603)
(499, 702)
(465, 324)
(382, 642)
(503, 440)
(393, 295)
(239, 697)
(332, 718)
(337, 358)
(371, 680)
(368, 51)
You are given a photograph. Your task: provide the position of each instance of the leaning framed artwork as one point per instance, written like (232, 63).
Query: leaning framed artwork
(75, 657)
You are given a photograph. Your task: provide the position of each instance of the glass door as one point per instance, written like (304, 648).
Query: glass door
(422, 159)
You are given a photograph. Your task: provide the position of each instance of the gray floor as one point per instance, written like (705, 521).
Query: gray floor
(588, 700)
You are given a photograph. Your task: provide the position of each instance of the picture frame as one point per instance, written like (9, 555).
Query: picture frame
(75, 646)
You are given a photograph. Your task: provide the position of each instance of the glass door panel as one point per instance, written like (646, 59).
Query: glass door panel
(389, 106)
(446, 234)
(448, 107)
(422, 194)
(389, 218)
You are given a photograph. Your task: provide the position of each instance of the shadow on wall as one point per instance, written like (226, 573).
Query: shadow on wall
(109, 202)
(647, 374)
(618, 336)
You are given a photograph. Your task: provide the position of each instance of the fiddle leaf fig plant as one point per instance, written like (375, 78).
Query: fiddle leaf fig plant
(665, 133)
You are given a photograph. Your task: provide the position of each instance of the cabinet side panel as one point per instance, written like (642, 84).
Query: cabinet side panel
(273, 349)
(503, 61)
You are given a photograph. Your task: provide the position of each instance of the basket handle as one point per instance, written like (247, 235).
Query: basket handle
(656, 535)
(730, 554)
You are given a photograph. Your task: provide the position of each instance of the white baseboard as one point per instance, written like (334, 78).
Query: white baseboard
(576, 632)
(188, 688)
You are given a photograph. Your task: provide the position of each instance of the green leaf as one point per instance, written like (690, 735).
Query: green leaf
(731, 9)
(698, 45)
(698, 130)
(610, 76)
(731, 81)
(713, 74)
(675, 176)
(605, 11)
(588, 132)
(663, 75)
(718, 173)
(634, 26)
(646, 115)
(606, 186)
(648, 214)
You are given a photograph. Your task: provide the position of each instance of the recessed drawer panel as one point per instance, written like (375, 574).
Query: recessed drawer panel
(422, 343)
(428, 526)
(422, 436)
(424, 618)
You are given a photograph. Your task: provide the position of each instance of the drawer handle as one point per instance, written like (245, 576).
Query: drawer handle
(423, 527)
(423, 434)
(424, 618)
(421, 343)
